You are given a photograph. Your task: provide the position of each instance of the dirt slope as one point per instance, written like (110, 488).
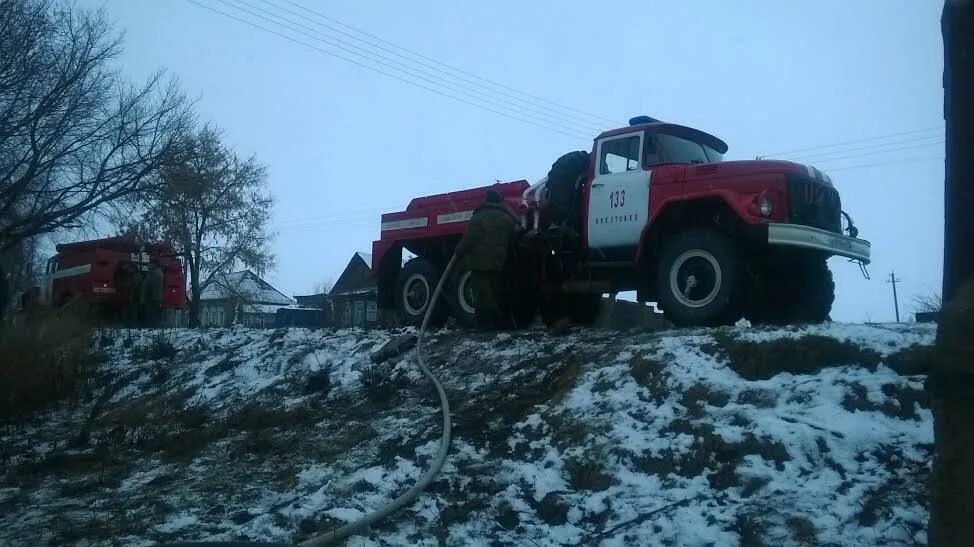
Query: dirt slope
(811, 436)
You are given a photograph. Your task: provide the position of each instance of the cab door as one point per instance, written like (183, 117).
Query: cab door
(618, 204)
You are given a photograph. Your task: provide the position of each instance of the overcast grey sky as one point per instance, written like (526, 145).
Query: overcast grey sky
(344, 143)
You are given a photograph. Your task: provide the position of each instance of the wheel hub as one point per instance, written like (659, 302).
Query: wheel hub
(465, 293)
(416, 294)
(695, 278)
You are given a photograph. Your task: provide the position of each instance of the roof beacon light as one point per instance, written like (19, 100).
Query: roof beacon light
(639, 120)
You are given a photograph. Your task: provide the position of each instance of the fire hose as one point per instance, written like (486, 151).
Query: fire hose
(424, 481)
(427, 478)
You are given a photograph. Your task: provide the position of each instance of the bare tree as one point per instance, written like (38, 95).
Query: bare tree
(323, 287)
(74, 136)
(928, 303)
(214, 207)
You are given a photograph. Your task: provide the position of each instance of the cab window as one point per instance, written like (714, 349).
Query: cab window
(652, 153)
(619, 155)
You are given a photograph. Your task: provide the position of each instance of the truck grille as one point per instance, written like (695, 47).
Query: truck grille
(814, 204)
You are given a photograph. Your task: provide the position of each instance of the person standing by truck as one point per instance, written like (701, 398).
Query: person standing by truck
(151, 301)
(484, 248)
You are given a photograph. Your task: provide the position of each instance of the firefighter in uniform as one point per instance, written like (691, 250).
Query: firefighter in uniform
(132, 286)
(151, 301)
(484, 250)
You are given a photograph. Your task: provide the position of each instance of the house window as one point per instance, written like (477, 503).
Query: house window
(371, 313)
(347, 317)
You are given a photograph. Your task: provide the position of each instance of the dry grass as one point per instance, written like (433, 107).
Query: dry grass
(649, 373)
(589, 474)
(806, 355)
(48, 359)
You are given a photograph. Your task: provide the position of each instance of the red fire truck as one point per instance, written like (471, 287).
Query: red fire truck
(101, 272)
(654, 209)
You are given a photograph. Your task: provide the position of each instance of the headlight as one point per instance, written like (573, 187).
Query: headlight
(765, 205)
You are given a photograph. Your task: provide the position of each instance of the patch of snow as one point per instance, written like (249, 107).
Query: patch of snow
(177, 522)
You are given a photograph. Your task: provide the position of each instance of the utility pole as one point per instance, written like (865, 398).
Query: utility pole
(950, 383)
(896, 302)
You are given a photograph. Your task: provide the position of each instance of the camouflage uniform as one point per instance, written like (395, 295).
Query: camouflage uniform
(151, 296)
(133, 298)
(484, 249)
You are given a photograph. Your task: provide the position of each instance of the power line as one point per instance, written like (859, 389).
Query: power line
(595, 117)
(394, 65)
(330, 219)
(384, 73)
(880, 147)
(544, 124)
(327, 224)
(883, 163)
(452, 72)
(522, 120)
(868, 139)
(399, 66)
(879, 152)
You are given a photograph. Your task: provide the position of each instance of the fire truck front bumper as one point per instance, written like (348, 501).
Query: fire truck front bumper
(807, 237)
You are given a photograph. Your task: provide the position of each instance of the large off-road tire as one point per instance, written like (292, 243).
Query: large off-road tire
(562, 191)
(699, 278)
(460, 296)
(799, 290)
(569, 165)
(417, 281)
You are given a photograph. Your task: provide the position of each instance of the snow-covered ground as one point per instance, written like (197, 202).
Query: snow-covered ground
(692, 437)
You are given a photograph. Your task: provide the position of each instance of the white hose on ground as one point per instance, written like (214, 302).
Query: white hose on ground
(427, 478)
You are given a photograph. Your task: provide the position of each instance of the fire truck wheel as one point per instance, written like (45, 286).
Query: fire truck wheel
(699, 279)
(461, 297)
(800, 290)
(417, 281)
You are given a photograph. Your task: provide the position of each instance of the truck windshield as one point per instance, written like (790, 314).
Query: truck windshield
(670, 149)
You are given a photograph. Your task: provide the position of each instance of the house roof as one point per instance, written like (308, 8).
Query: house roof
(355, 278)
(367, 258)
(316, 295)
(244, 284)
(365, 290)
(261, 308)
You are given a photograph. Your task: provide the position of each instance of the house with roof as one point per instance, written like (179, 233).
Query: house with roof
(240, 298)
(353, 297)
(311, 311)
